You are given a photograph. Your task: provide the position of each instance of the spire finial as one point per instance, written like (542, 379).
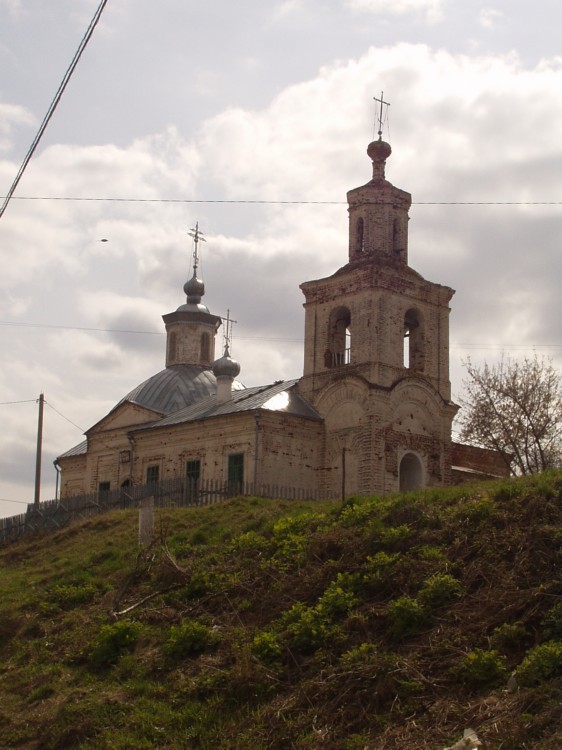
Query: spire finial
(194, 288)
(197, 238)
(380, 117)
(228, 331)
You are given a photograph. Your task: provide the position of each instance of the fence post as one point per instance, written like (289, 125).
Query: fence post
(146, 521)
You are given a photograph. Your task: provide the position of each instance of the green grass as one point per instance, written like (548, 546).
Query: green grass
(268, 624)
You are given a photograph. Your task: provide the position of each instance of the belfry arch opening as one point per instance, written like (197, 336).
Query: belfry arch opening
(339, 338)
(411, 473)
(414, 353)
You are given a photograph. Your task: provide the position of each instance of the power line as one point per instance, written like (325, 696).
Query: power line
(67, 419)
(278, 202)
(258, 338)
(54, 103)
(76, 328)
(27, 401)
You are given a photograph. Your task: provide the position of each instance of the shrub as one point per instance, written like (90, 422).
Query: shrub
(440, 589)
(508, 637)
(359, 656)
(267, 647)
(249, 541)
(68, 596)
(541, 663)
(189, 638)
(553, 621)
(307, 628)
(114, 640)
(393, 535)
(482, 668)
(339, 596)
(379, 569)
(408, 616)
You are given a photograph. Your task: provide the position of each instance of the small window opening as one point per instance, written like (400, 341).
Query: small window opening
(104, 486)
(152, 474)
(192, 476)
(236, 470)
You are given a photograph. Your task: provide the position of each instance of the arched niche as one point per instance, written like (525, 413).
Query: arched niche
(411, 472)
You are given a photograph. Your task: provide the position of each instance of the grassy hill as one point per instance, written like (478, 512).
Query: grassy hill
(383, 623)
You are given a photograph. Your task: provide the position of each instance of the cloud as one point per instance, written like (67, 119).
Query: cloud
(11, 116)
(488, 18)
(432, 10)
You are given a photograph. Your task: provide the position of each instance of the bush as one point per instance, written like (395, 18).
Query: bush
(440, 589)
(553, 621)
(483, 668)
(267, 647)
(379, 569)
(408, 616)
(71, 595)
(307, 628)
(189, 638)
(541, 663)
(508, 637)
(339, 596)
(113, 641)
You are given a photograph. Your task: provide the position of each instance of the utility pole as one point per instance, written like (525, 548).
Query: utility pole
(39, 448)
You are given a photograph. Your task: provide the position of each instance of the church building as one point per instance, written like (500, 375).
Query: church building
(371, 414)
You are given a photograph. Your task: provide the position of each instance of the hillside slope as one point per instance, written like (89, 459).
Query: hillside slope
(384, 623)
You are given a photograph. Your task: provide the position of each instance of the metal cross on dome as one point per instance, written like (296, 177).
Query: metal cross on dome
(228, 330)
(380, 117)
(197, 238)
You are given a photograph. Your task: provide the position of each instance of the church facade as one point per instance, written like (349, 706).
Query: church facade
(371, 414)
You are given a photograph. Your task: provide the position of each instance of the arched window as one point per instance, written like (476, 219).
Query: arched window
(411, 473)
(205, 348)
(359, 236)
(172, 347)
(414, 349)
(339, 338)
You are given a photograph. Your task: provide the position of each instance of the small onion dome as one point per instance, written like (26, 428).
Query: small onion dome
(379, 150)
(226, 366)
(194, 289)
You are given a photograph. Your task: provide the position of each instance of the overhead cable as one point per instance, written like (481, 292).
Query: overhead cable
(54, 104)
(251, 201)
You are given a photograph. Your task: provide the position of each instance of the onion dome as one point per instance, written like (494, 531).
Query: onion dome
(194, 289)
(379, 151)
(226, 366)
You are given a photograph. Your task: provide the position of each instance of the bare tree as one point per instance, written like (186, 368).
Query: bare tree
(515, 407)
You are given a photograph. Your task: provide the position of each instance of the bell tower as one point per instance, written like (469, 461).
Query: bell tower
(191, 329)
(377, 337)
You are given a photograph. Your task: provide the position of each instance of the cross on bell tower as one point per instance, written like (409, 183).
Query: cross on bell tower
(382, 102)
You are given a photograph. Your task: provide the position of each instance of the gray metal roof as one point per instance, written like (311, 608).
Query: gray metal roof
(248, 399)
(79, 450)
(174, 388)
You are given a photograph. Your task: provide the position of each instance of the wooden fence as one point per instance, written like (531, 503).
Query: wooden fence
(52, 515)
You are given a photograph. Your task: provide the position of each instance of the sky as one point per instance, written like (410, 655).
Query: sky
(181, 112)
